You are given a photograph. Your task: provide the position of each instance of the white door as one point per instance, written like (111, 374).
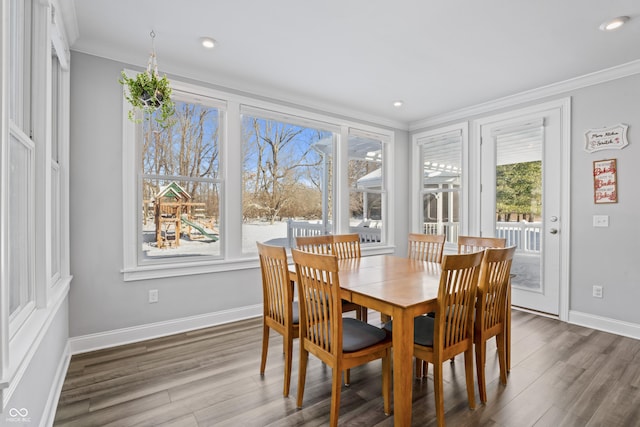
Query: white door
(521, 182)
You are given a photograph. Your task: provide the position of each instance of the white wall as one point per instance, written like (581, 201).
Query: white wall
(100, 301)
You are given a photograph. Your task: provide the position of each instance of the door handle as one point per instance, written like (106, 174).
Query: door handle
(553, 231)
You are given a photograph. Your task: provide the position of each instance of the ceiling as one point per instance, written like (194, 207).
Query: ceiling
(359, 56)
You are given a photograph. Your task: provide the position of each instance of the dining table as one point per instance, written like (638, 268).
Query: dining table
(401, 288)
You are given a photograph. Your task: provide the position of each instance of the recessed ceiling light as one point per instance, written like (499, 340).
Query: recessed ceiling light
(398, 104)
(614, 24)
(208, 42)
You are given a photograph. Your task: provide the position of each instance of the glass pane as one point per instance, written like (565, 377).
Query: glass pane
(366, 216)
(188, 146)
(441, 183)
(519, 202)
(180, 218)
(366, 181)
(180, 213)
(55, 221)
(19, 230)
(287, 182)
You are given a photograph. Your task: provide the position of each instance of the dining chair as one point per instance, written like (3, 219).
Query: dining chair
(491, 311)
(324, 244)
(426, 247)
(340, 342)
(320, 244)
(280, 311)
(467, 244)
(450, 332)
(346, 246)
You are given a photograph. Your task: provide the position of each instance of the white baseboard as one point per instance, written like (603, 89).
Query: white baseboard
(117, 337)
(618, 327)
(49, 412)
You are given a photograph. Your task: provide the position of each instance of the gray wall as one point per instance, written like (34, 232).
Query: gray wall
(606, 256)
(100, 300)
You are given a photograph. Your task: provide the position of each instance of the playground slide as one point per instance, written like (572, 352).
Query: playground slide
(202, 231)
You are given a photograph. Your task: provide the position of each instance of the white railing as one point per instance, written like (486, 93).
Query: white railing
(526, 236)
(449, 229)
(371, 234)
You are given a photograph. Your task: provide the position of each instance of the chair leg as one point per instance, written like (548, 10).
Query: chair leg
(468, 370)
(347, 377)
(265, 348)
(502, 357)
(422, 368)
(336, 386)
(386, 382)
(302, 373)
(439, 393)
(481, 352)
(288, 355)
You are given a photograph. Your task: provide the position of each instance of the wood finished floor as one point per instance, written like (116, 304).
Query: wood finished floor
(562, 375)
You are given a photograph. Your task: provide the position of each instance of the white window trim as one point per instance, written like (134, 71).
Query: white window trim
(231, 213)
(417, 171)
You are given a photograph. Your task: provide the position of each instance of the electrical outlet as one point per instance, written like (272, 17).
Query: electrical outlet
(153, 296)
(597, 291)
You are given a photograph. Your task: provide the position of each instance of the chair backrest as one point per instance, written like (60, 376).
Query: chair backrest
(468, 244)
(319, 301)
(493, 283)
(346, 246)
(426, 247)
(276, 284)
(320, 244)
(456, 300)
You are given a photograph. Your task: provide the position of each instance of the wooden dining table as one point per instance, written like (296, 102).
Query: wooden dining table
(401, 288)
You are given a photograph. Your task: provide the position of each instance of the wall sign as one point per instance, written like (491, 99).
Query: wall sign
(605, 187)
(606, 138)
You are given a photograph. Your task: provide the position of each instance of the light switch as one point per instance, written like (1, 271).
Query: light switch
(601, 220)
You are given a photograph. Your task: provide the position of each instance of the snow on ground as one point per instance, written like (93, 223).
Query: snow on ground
(275, 233)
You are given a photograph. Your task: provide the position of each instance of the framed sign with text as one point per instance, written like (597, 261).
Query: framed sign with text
(605, 187)
(614, 137)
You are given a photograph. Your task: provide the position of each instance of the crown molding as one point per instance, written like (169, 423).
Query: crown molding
(597, 77)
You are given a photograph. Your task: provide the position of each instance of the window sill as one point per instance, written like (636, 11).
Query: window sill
(159, 271)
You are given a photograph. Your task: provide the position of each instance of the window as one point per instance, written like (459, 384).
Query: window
(440, 175)
(367, 190)
(287, 178)
(180, 184)
(230, 170)
(21, 175)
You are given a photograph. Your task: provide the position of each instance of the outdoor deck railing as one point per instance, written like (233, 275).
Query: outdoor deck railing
(526, 236)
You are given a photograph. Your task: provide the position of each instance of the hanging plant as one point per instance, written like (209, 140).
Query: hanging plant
(148, 92)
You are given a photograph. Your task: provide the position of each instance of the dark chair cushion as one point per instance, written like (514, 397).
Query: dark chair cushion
(357, 334)
(422, 330)
(296, 315)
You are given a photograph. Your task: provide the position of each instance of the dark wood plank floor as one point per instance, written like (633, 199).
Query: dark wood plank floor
(562, 375)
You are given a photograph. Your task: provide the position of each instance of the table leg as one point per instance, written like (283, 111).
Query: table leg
(402, 367)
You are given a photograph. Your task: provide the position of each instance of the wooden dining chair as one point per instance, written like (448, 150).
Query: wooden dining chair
(280, 311)
(468, 244)
(347, 246)
(491, 311)
(426, 247)
(340, 342)
(450, 332)
(320, 244)
(324, 244)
